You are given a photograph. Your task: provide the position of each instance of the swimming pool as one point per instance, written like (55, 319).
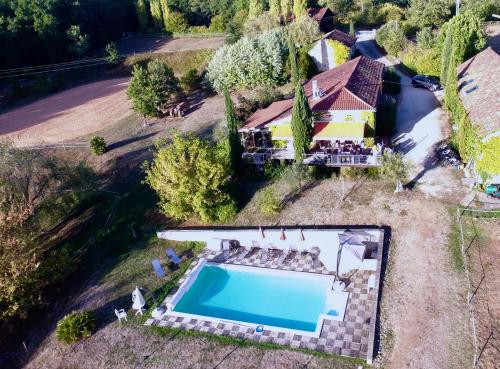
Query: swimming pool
(259, 296)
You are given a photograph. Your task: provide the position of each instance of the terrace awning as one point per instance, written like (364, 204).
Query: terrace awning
(333, 131)
(323, 131)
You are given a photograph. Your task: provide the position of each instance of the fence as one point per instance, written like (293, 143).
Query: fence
(477, 278)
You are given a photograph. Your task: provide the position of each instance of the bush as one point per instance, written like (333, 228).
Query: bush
(217, 24)
(422, 61)
(176, 22)
(391, 81)
(426, 38)
(265, 96)
(304, 31)
(340, 51)
(97, 145)
(189, 80)
(250, 62)
(75, 326)
(391, 37)
(254, 26)
(268, 201)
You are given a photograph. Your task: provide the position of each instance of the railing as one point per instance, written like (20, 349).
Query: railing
(333, 160)
(343, 159)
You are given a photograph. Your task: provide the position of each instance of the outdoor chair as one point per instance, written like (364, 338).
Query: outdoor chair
(160, 273)
(243, 254)
(173, 256)
(264, 255)
(121, 314)
(371, 282)
(282, 257)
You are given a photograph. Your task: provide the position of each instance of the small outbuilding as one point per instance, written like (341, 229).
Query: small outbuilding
(323, 51)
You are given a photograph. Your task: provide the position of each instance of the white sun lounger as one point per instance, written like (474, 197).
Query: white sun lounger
(160, 273)
(264, 255)
(282, 257)
(243, 254)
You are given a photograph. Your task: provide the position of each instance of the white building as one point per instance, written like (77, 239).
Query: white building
(323, 53)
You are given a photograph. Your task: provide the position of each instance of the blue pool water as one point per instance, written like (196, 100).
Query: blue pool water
(288, 301)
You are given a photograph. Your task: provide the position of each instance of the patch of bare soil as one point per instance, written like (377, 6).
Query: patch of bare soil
(484, 262)
(424, 315)
(67, 115)
(167, 45)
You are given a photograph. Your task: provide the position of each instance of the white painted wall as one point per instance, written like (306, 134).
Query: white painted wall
(323, 55)
(327, 240)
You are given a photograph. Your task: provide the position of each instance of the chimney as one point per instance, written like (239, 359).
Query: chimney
(315, 90)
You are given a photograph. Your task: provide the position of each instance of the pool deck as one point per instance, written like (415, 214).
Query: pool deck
(354, 336)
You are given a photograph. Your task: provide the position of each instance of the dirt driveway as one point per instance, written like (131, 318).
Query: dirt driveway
(167, 45)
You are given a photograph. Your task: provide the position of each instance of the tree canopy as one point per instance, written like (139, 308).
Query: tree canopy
(191, 176)
(302, 123)
(151, 88)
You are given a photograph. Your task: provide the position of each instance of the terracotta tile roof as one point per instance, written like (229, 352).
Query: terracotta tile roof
(317, 13)
(355, 85)
(479, 89)
(340, 36)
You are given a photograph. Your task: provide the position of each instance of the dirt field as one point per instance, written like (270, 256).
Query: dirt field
(166, 45)
(484, 261)
(424, 315)
(86, 109)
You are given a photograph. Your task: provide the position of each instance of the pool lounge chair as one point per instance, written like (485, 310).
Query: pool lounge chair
(244, 253)
(264, 255)
(282, 257)
(173, 256)
(160, 273)
(316, 262)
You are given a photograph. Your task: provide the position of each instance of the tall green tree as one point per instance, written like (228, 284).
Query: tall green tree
(255, 8)
(274, 8)
(191, 176)
(142, 14)
(299, 8)
(302, 123)
(446, 54)
(292, 56)
(112, 54)
(156, 13)
(286, 8)
(232, 131)
(395, 168)
(151, 88)
(429, 13)
(165, 12)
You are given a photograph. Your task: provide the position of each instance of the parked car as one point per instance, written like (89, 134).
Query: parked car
(493, 190)
(427, 82)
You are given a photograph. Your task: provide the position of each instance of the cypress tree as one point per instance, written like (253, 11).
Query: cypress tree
(274, 8)
(352, 31)
(302, 123)
(299, 8)
(292, 56)
(142, 15)
(255, 8)
(286, 8)
(445, 55)
(232, 131)
(165, 11)
(156, 14)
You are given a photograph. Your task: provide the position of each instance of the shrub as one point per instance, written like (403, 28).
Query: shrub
(176, 22)
(268, 201)
(304, 31)
(426, 38)
(75, 326)
(389, 12)
(250, 62)
(254, 26)
(217, 24)
(190, 79)
(422, 61)
(267, 95)
(391, 81)
(97, 145)
(391, 37)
